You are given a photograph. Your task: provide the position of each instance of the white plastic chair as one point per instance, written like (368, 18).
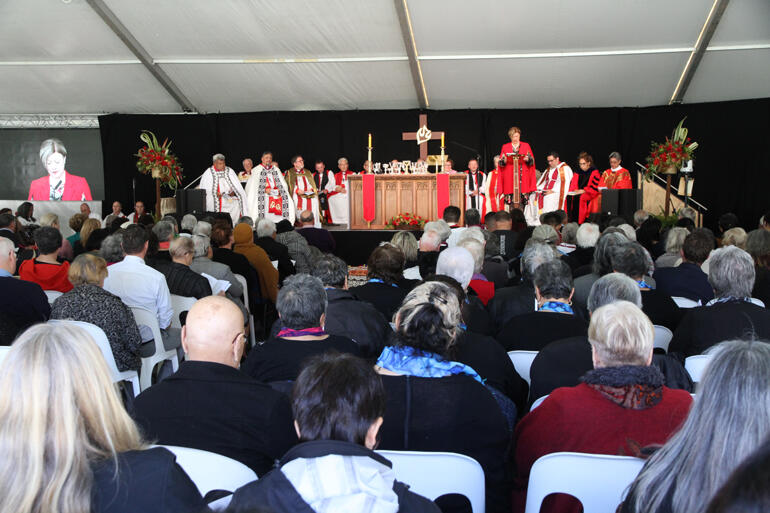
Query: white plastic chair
(758, 302)
(538, 402)
(242, 280)
(52, 295)
(275, 263)
(147, 318)
(210, 471)
(104, 345)
(695, 365)
(598, 481)
(180, 304)
(522, 361)
(433, 474)
(663, 337)
(683, 302)
(3, 352)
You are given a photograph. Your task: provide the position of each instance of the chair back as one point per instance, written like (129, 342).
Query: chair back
(180, 304)
(695, 365)
(522, 361)
(598, 481)
(538, 402)
(104, 346)
(684, 302)
(210, 471)
(758, 302)
(244, 284)
(663, 337)
(52, 295)
(3, 352)
(147, 318)
(433, 474)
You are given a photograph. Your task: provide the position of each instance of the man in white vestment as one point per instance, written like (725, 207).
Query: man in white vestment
(338, 199)
(267, 194)
(551, 190)
(224, 192)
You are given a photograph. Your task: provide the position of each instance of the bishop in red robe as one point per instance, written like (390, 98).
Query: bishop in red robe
(527, 174)
(616, 177)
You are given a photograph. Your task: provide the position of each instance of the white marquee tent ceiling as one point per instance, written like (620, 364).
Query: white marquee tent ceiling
(59, 56)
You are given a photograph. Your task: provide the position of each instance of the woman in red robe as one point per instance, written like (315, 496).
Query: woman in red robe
(616, 177)
(527, 173)
(591, 199)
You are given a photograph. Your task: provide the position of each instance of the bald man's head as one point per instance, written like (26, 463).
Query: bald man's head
(214, 331)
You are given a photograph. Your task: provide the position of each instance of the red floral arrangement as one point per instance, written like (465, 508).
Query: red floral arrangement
(156, 160)
(405, 221)
(669, 156)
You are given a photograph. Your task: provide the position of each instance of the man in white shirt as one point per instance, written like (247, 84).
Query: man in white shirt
(139, 285)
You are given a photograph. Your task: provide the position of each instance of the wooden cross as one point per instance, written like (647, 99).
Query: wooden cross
(422, 136)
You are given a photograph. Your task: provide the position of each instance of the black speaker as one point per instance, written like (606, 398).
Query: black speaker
(622, 202)
(190, 201)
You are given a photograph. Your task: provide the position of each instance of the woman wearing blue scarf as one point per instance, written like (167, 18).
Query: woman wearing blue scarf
(435, 403)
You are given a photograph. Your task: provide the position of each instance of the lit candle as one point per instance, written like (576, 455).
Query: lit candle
(442, 140)
(370, 140)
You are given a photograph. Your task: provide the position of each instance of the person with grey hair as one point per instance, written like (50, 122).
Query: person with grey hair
(616, 177)
(568, 238)
(479, 284)
(582, 257)
(203, 264)
(58, 184)
(553, 318)
(727, 422)
(688, 213)
(246, 220)
(640, 216)
(164, 231)
(428, 249)
(674, 241)
(731, 314)
(224, 192)
(345, 314)
(440, 227)
(181, 280)
(301, 305)
(517, 300)
(320, 238)
(265, 237)
(172, 220)
(202, 228)
(620, 407)
(112, 248)
(188, 223)
(456, 263)
(601, 265)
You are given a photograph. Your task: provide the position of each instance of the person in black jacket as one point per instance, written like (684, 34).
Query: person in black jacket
(384, 269)
(222, 251)
(345, 314)
(688, 279)
(22, 303)
(264, 237)
(182, 280)
(209, 404)
(338, 403)
(731, 315)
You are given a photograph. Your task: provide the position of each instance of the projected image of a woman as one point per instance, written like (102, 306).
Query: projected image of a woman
(58, 185)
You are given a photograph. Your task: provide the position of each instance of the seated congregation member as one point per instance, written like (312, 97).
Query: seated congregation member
(70, 445)
(758, 246)
(209, 404)
(299, 250)
(568, 242)
(164, 231)
(495, 268)
(264, 237)
(601, 265)
(510, 302)
(202, 263)
(338, 404)
(318, 237)
(553, 319)
(407, 243)
(674, 242)
(479, 284)
(112, 248)
(268, 275)
(504, 230)
(302, 309)
(88, 227)
(45, 269)
(457, 263)
(52, 220)
(139, 285)
(562, 363)
(435, 403)
(631, 260)
(452, 217)
(8, 228)
(345, 314)
(384, 269)
(22, 303)
(688, 279)
(620, 407)
(222, 252)
(729, 419)
(731, 315)
(586, 238)
(428, 249)
(181, 280)
(188, 224)
(89, 302)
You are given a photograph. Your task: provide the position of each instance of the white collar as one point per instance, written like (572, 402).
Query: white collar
(616, 169)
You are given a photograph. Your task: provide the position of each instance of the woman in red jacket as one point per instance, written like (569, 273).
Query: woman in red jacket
(591, 199)
(59, 185)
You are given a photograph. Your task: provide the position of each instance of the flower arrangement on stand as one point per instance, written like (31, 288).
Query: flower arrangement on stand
(157, 161)
(405, 221)
(669, 156)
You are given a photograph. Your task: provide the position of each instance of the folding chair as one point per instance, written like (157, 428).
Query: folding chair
(147, 318)
(242, 280)
(180, 304)
(522, 361)
(663, 337)
(696, 365)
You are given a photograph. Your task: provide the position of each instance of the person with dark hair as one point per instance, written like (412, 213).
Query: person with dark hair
(325, 184)
(746, 489)
(472, 217)
(94, 242)
(303, 189)
(685, 222)
(555, 183)
(726, 221)
(688, 279)
(45, 269)
(8, 228)
(22, 303)
(631, 260)
(338, 404)
(490, 221)
(24, 213)
(299, 250)
(385, 268)
(508, 236)
(451, 215)
(553, 318)
(586, 181)
(345, 314)
(222, 242)
(436, 403)
(302, 310)
(600, 266)
(758, 246)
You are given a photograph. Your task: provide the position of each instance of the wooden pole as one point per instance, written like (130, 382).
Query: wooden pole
(668, 194)
(157, 198)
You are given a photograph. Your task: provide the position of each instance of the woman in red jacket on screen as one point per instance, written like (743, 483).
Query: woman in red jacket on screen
(59, 185)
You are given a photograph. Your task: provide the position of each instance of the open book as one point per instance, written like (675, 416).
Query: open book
(217, 286)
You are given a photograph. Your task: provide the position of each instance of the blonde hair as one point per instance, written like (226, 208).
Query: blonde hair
(621, 334)
(89, 225)
(49, 219)
(407, 243)
(87, 268)
(514, 130)
(59, 411)
(181, 246)
(735, 237)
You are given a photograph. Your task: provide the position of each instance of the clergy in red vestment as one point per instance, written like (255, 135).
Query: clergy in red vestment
(616, 177)
(591, 199)
(493, 189)
(527, 175)
(474, 188)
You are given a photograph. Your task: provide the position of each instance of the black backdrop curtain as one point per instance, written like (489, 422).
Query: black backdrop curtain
(731, 166)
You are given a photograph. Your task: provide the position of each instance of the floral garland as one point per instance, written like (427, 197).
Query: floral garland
(670, 154)
(406, 220)
(156, 160)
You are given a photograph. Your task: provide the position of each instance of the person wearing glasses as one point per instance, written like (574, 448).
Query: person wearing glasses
(551, 192)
